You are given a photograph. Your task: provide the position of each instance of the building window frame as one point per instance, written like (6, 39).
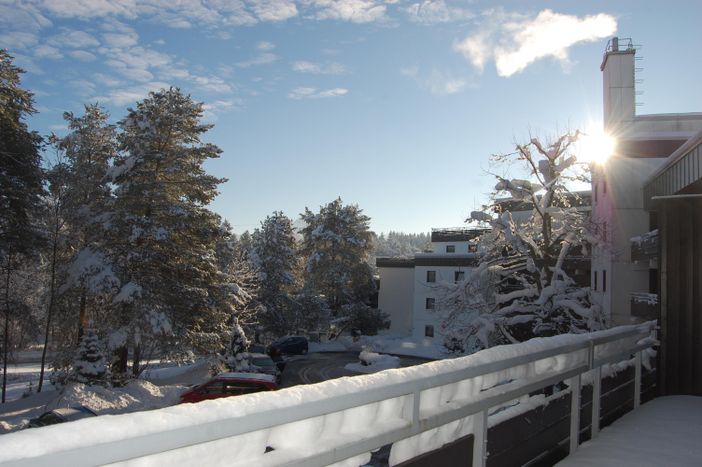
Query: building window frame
(604, 280)
(431, 277)
(429, 330)
(459, 276)
(450, 248)
(430, 303)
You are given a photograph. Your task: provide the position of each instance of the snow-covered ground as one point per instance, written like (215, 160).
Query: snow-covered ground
(161, 383)
(394, 345)
(664, 432)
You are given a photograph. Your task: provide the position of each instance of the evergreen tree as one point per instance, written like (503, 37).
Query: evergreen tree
(336, 245)
(20, 188)
(278, 267)
(89, 364)
(164, 237)
(88, 150)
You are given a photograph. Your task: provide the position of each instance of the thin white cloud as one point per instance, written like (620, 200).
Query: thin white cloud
(18, 40)
(262, 59)
(22, 16)
(81, 55)
(130, 94)
(73, 38)
(120, 39)
(46, 51)
(437, 82)
(212, 84)
(274, 10)
(303, 66)
(107, 80)
(355, 11)
(302, 92)
(87, 9)
(517, 42)
(436, 11)
(265, 45)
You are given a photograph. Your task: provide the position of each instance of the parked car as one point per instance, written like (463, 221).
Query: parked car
(65, 414)
(266, 365)
(230, 384)
(289, 345)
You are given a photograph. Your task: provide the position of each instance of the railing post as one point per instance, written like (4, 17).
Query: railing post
(574, 384)
(596, 393)
(480, 428)
(637, 380)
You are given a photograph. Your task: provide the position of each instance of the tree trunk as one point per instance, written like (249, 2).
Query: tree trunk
(119, 366)
(6, 339)
(136, 360)
(50, 308)
(82, 315)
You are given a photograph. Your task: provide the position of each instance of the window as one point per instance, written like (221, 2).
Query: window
(604, 280)
(594, 282)
(450, 248)
(431, 276)
(604, 186)
(430, 303)
(604, 231)
(597, 187)
(429, 331)
(472, 248)
(459, 276)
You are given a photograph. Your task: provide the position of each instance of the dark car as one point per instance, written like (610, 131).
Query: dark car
(265, 364)
(289, 345)
(65, 414)
(230, 384)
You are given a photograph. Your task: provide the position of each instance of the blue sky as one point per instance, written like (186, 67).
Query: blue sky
(395, 105)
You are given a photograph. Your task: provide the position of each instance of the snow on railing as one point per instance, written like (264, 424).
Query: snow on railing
(341, 421)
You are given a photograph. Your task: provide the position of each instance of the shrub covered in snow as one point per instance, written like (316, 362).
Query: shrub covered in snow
(89, 364)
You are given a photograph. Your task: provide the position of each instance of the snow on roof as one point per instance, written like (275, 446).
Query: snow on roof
(247, 376)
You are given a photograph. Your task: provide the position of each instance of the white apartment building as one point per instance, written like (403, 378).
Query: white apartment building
(410, 287)
(643, 144)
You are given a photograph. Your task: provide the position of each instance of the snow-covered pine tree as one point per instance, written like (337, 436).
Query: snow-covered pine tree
(336, 245)
(90, 364)
(88, 150)
(521, 288)
(165, 235)
(237, 355)
(278, 266)
(20, 189)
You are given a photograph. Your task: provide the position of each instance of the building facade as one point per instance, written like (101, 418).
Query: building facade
(411, 287)
(647, 198)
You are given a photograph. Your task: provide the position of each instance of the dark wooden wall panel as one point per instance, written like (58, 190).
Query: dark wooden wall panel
(681, 300)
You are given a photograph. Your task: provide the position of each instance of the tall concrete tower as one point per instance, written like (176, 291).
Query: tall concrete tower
(618, 93)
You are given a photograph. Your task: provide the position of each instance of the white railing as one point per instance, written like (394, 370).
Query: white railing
(344, 420)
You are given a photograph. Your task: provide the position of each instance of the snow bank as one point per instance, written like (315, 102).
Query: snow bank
(371, 362)
(313, 429)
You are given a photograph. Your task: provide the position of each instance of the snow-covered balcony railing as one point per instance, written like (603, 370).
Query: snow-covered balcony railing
(645, 305)
(645, 247)
(415, 409)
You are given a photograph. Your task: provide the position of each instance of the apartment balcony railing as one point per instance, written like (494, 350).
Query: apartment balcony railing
(645, 305)
(645, 247)
(416, 410)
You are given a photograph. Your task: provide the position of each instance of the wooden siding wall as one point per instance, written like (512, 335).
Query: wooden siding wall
(681, 296)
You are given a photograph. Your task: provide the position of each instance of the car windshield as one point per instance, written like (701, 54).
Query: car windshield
(263, 361)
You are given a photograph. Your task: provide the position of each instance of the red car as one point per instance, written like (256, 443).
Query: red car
(230, 384)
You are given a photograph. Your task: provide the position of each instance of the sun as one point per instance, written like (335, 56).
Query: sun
(595, 146)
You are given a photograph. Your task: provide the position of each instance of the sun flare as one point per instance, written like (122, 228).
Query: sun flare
(595, 146)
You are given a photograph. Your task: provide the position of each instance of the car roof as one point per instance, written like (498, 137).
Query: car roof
(259, 355)
(71, 412)
(247, 376)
